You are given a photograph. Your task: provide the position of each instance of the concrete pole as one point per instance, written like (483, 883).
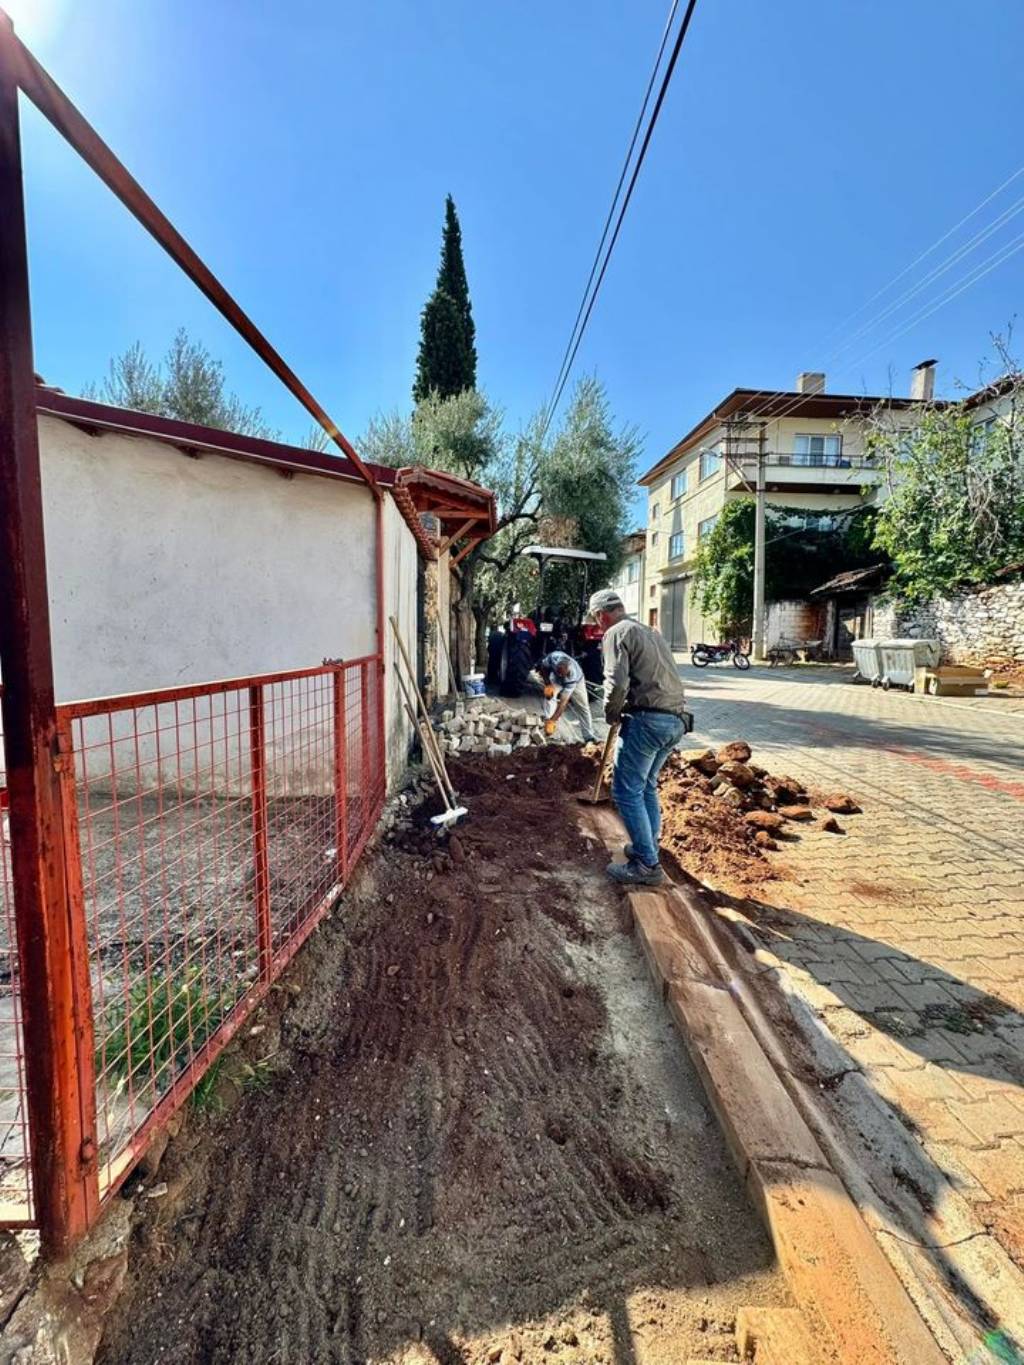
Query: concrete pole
(757, 641)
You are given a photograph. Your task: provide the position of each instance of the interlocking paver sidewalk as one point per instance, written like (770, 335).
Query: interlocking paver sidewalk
(906, 934)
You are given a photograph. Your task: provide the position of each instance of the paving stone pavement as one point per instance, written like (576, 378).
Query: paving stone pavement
(905, 934)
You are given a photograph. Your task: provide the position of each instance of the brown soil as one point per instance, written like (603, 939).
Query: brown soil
(480, 1140)
(703, 835)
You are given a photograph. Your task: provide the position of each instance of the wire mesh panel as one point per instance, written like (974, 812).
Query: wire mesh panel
(215, 826)
(16, 1207)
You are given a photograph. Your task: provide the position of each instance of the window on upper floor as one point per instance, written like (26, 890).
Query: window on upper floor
(817, 450)
(653, 590)
(676, 545)
(655, 511)
(678, 484)
(632, 571)
(654, 540)
(710, 463)
(705, 526)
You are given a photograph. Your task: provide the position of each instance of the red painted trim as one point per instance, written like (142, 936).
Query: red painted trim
(125, 701)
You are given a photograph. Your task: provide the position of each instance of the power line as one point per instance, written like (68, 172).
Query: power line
(663, 90)
(768, 398)
(618, 189)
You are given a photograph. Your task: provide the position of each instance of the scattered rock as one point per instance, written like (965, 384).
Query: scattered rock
(765, 820)
(394, 969)
(796, 812)
(737, 773)
(786, 790)
(703, 760)
(736, 752)
(764, 840)
(841, 804)
(456, 851)
(831, 825)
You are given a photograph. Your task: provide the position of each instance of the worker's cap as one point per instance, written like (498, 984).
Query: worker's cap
(607, 599)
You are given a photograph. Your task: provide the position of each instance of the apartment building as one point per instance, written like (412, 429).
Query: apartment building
(629, 581)
(812, 443)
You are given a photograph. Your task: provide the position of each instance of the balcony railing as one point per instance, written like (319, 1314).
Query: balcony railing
(777, 459)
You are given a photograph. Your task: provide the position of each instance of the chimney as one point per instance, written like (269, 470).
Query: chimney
(810, 381)
(922, 381)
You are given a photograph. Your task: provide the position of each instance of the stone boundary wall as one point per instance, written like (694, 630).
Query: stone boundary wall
(976, 626)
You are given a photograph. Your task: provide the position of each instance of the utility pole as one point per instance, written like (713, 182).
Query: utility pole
(757, 640)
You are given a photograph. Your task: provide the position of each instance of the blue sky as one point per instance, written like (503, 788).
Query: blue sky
(808, 151)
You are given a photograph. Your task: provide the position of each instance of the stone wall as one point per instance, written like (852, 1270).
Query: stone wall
(977, 626)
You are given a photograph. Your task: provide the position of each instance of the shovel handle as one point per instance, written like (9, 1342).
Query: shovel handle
(609, 745)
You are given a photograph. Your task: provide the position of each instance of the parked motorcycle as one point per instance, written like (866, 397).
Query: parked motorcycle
(701, 654)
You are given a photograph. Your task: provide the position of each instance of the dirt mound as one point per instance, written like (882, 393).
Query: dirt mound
(453, 1159)
(723, 815)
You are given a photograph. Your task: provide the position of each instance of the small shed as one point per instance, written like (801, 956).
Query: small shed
(847, 602)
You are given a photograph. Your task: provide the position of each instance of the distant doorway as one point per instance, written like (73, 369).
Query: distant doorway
(673, 613)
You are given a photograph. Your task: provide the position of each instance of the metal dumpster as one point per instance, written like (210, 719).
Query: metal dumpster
(868, 660)
(901, 658)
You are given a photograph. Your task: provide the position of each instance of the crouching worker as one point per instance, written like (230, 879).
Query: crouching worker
(642, 690)
(565, 685)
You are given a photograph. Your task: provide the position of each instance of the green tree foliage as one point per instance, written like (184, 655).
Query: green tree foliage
(188, 384)
(588, 475)
(446, 362)
(954, 513)
(797, 558)
(585, 471)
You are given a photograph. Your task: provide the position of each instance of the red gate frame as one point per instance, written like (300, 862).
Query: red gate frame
(53, 958)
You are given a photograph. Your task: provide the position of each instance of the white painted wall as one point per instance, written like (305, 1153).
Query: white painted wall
(400, 578)
(166, 570)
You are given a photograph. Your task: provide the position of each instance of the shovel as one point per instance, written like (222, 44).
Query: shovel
(598, 797)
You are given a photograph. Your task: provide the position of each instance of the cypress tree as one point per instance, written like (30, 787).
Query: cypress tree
(446, 362)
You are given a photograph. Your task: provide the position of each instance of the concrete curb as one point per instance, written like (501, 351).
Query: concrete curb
(855, 1306)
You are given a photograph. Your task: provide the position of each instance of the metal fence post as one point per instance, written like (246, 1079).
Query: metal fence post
(60, 1147)
(261, 859)
(340, 774)
(81, 984)
(364, 697)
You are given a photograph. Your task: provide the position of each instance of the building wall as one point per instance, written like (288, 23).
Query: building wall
(979, 626)
(631, 590)
(166, 570)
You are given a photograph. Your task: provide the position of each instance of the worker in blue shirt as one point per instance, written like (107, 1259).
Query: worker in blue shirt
(565, 685)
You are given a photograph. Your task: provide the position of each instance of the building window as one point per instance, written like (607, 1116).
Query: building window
(654, 590)
(710, 463)
(654, 511)
(652, 618)
(678, 485)
(654, 540)
(632, 571)
(676, 545)
(706, 526)
(817, 450)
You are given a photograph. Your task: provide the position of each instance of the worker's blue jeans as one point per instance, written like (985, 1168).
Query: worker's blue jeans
(645, 742)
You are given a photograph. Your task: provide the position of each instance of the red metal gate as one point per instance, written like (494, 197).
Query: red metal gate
(207, 830)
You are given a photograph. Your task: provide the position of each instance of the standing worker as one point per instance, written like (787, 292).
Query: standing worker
(564, 684)
(643, 690)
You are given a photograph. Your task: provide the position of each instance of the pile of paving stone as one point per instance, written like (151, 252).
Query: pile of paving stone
(488, 725)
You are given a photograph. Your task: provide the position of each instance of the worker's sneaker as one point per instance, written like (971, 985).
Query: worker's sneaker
(635, 874)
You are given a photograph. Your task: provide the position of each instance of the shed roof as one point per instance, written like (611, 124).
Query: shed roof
(854, 580)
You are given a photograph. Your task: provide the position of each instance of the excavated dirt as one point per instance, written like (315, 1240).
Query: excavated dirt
(476, 1137)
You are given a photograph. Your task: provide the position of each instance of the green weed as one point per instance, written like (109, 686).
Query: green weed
(153, 1035)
